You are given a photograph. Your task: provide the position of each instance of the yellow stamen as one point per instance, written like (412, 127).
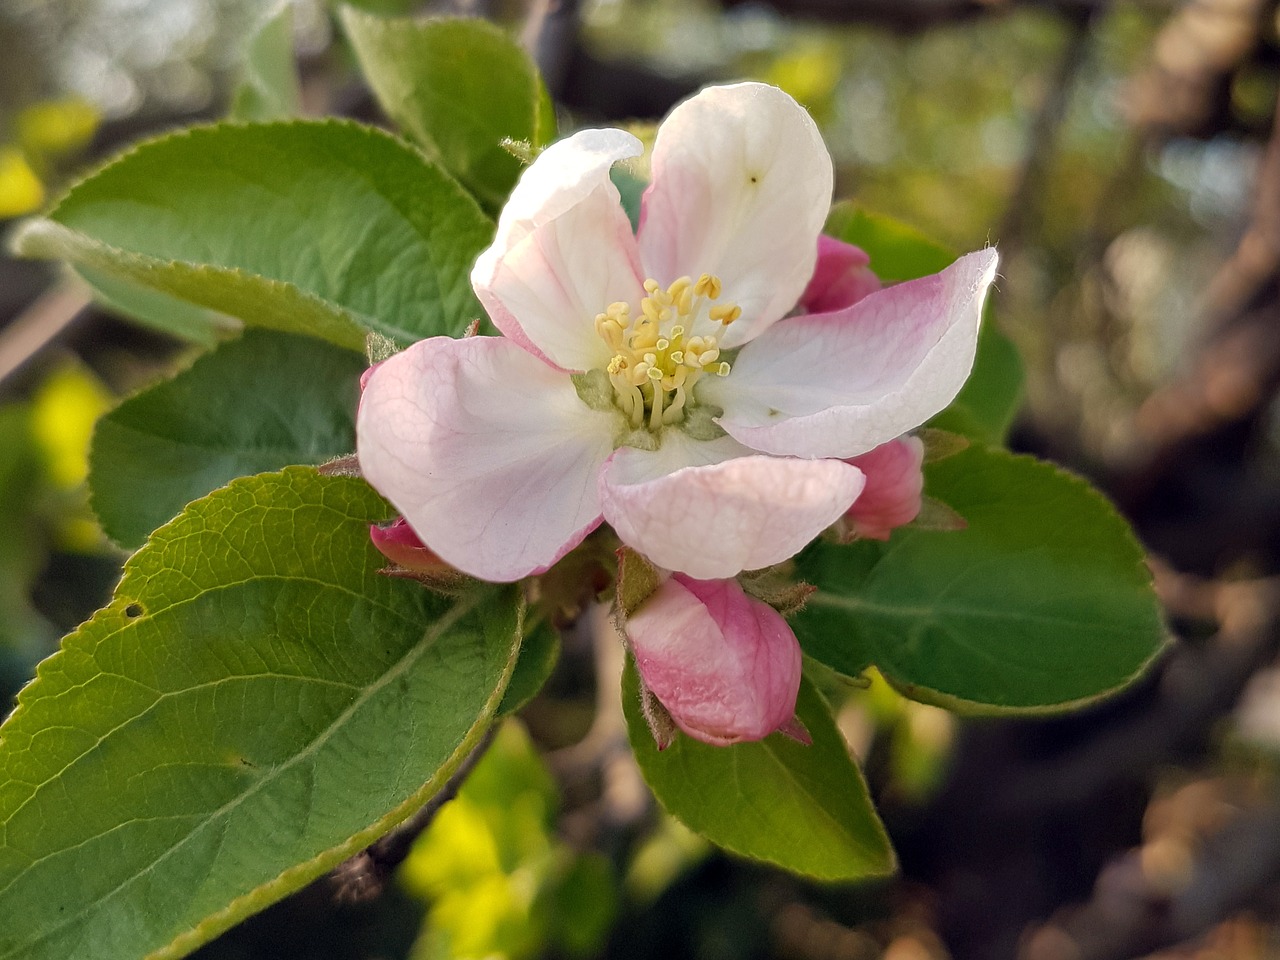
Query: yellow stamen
(725, 314)
(655, 360)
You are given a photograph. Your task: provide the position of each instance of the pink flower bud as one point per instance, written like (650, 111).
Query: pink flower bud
(399, 544)
(892, 494)
(841, 278)
(725, 666)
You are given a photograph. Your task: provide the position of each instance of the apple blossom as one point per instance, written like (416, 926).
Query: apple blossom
(725, 666)
(654, 380)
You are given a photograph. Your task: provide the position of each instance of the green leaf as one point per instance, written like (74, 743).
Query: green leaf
(985, 408)
(897, 251)
(804, 808)
(325, 228)
(1043, 601)
(255, 705)
(268, 87)
(459, 88)
(630, 191)
(265, 401)
(158, 311)
(987, 404)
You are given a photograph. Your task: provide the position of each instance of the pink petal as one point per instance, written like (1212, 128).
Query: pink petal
(741, 187)
(399, 544)
(895, 482)
(563, 252)
(726, 666)
(486, 451)
(717, 520)
(841, 278)
(840, 384)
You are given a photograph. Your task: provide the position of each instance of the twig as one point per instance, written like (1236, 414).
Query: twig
(604, 754)
(1139, 907)
(50, 315)
(1237, 368)
(1185, 89)
(911, 16)
(1044, 131)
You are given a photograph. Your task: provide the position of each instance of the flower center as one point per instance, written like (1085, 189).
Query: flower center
(657, 358)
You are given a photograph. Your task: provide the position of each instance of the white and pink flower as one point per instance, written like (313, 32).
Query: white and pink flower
(656, 381)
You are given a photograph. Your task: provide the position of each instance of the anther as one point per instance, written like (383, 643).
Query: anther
(707, 286)
(723, 369)
(726, 314)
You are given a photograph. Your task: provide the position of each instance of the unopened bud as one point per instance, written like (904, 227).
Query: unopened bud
(840, 279)
(891, 497)
(725, 666)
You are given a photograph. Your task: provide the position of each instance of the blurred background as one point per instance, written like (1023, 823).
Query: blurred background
(1124, 157)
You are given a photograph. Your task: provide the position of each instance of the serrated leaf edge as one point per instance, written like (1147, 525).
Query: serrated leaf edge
(48, 239)
(297, 876)
(20, 243)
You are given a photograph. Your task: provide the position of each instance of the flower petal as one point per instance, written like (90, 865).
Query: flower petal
(895, 481)
(840, 384)
(725, 666)
(741, 188)
(399, 544)
(842, 277)
(487, 452)
(714, 521)
(563, 251)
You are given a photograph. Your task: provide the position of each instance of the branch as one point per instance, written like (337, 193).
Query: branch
(1044, 131)
(1236, 369)
(911, 16)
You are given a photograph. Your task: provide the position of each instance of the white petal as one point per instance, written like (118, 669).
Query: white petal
(840, 384)
(741, 188)
(714, 521)
(678, 450)
(563, 252)
(487, 452)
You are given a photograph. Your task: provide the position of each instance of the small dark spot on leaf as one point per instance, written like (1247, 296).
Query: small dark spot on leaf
(133, 611)
(754, 178)
(246, 762)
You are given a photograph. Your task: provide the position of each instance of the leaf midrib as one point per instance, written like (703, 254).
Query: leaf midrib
(935, 614)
